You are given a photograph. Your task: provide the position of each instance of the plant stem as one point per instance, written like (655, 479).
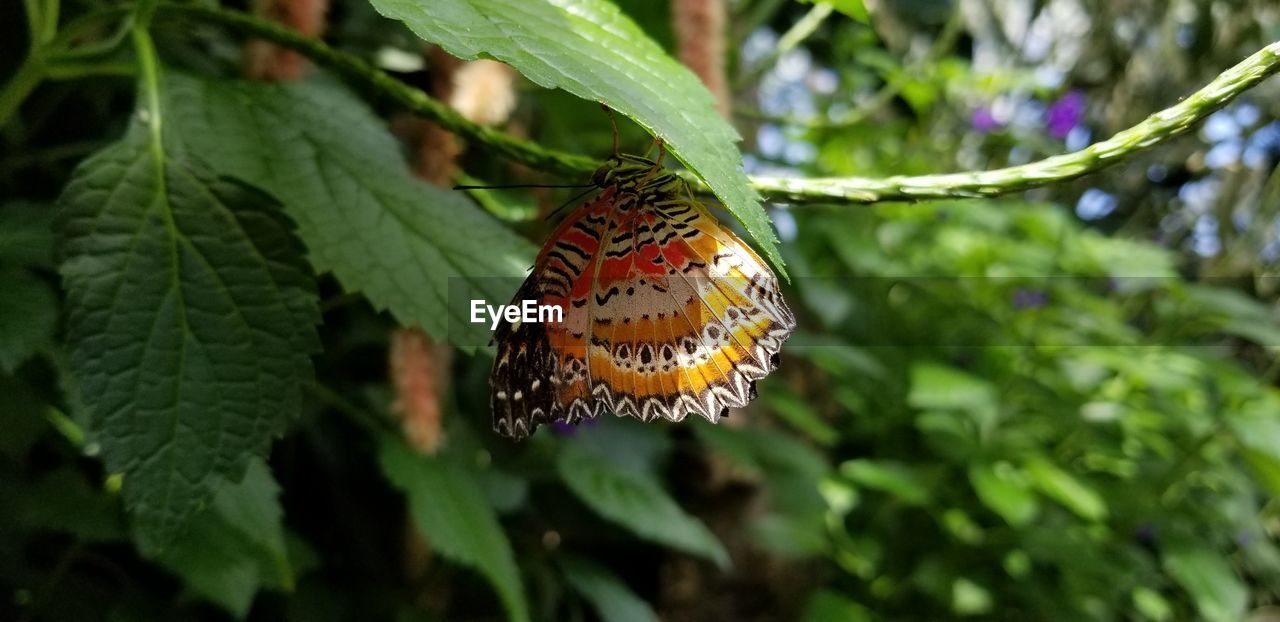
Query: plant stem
(1157, 128)
(149, 69)
(30, 74)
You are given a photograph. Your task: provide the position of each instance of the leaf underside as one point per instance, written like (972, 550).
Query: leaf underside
(593, 50)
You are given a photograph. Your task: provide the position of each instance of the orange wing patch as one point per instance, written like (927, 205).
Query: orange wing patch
(666, 313)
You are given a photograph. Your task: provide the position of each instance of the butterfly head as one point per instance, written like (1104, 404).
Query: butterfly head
(621, 168)
(636, 173)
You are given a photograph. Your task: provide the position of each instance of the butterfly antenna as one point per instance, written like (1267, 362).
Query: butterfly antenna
(503, 186)
(613, 121)
(575, 198)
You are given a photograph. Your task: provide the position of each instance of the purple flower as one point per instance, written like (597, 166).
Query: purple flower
(1065, 114)
(983, 120)
(1029, 299)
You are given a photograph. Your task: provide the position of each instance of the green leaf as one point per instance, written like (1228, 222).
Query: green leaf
(1151, 604)
(361, 212)
(611, 598)
(634, 499)
(893, 478)
(23, 410)
(1067, 490)
(191, 318)
(856, 9)
(939, 387)
(26, 235)
(801, 415)
(64, 502)
(236, 547)
(449, 507)
(1258, 431)
(1005, 491)
(591, 49)
(828, 606)
(1208, 577)
(969, 598)
(1265, 467)
(791, 536)
(28, 313)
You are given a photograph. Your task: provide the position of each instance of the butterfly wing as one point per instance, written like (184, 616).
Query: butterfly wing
(539, 373)
(665, 312)
(686, 318)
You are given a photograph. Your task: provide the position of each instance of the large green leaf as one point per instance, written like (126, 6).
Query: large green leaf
(191, 320)
(591, 49)
(361, 212)
(634, 499)
(448, 506)
(236, 547)
(612, 599)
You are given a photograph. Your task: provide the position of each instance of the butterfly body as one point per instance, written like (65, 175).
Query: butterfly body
(665, 312)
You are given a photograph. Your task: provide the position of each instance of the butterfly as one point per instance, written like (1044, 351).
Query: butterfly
(665, 312)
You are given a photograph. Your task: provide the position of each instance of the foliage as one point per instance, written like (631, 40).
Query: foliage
(996, 408)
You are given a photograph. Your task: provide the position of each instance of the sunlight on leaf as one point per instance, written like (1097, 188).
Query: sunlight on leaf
(593, 50)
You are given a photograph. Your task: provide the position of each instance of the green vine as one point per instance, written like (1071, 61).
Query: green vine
(1155, 129)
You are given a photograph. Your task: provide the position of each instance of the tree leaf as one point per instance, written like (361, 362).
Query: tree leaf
(26, 234)
(28, 313)
(609, 595)
(800, 414)
(449, 507)
(1208, 577)
(191, 318)
(591, 49)
(1005, 492)
(829, 606)
(856, 9)
(1067, 490)
(940, 387)
(64, 502)
(361, 212)
(634, 499)
(236, 547)
(891, 477)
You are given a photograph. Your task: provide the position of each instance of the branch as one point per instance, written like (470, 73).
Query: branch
(1153, 130)
(1159, 127)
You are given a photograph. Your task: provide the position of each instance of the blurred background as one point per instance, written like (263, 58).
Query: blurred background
(1058, 405)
